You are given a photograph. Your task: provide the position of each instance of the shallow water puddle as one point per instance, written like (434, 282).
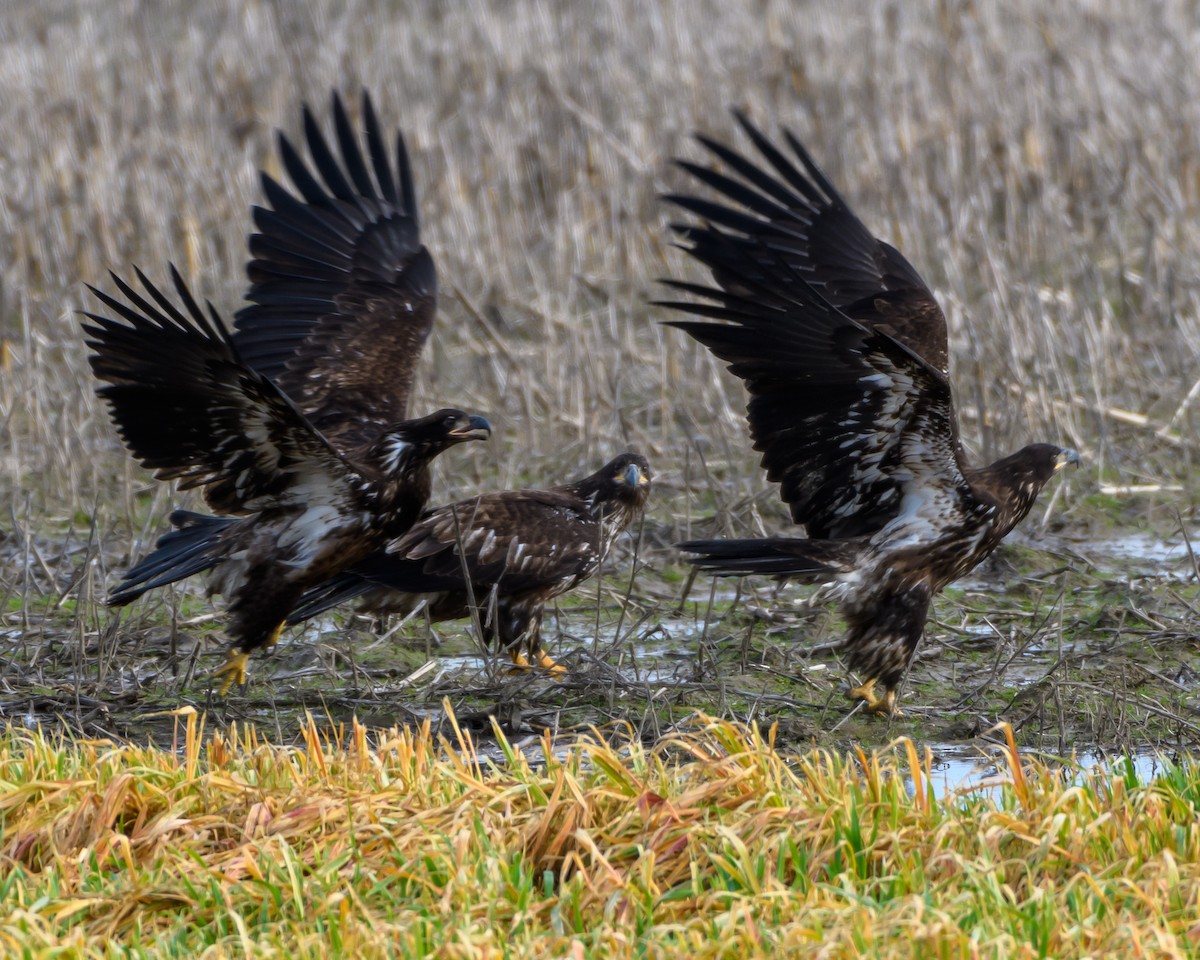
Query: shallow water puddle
(1142, 555)
(1144, 546)
(959, 769)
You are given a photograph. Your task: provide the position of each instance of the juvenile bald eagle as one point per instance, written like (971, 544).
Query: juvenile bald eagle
(506, 553)
(295, 427)
(843, 352)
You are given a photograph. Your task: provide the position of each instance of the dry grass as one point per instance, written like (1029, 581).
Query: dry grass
(708, 845)
(1037, 162)
(1038, 165)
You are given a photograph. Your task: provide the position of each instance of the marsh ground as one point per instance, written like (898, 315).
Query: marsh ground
(1039, 166)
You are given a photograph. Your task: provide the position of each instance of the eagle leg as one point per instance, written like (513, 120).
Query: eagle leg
(234, 670)
(876, 704)
(273, 636)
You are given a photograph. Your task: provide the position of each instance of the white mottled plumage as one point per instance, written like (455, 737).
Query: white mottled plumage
(394, 450)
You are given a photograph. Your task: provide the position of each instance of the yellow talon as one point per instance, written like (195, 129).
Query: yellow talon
(875, 704)
(547, 662)
(520, 663)
(865, 692)
(234, 670)
(544, 661)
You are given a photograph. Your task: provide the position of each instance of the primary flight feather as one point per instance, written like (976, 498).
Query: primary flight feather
(842, 349)
(295, 425)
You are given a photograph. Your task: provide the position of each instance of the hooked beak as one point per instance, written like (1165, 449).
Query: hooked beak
(1067, 457)
(476, 428)
(634, 477)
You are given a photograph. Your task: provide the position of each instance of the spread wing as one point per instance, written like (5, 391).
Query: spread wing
(850, 421)
(797, 213)
(189, 408)
(342, 293)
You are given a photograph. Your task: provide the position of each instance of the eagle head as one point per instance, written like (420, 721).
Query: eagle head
(1016, 481)
(1041, 461)
(428, 436)
(443, 428)
(624, 479)
(631, 472)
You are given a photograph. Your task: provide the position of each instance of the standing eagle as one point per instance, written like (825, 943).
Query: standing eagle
(295, 426)
(843, 350)
(507, 554)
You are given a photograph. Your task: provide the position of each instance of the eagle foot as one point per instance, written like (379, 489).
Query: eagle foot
(234, 670)
(885, 705)
(549, 664)
(545, 662)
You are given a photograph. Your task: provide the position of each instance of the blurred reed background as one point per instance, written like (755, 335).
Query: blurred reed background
(1038, 163)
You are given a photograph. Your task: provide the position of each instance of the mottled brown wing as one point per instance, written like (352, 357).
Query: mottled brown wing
(851, 422)
(342, 293)
(797, 213)
(518, 540)
(189, 409)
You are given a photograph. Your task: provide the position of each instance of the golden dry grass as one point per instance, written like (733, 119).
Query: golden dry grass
(711, 844)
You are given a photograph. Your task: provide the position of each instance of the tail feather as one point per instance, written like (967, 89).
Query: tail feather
(193, 548)
(327, 595)
(777, 556)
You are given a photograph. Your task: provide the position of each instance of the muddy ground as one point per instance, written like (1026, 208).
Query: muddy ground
(1085, 644)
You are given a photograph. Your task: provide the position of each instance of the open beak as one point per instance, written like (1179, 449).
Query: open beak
(476, 428)
(1067, 458)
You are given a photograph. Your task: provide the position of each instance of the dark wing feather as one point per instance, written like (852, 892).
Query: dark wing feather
(518, 541)
(189, 408)
(796, 212)
(342, 293)
(849, 419)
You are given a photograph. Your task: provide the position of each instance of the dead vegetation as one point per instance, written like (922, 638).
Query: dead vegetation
(1039, 165)
(711, 844)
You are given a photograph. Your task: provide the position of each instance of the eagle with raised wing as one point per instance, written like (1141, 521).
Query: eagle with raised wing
(843, 351)
(504, 554)
(295, 425)
(342, 292)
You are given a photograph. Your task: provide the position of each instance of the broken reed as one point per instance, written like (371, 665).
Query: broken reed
(708, 844)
